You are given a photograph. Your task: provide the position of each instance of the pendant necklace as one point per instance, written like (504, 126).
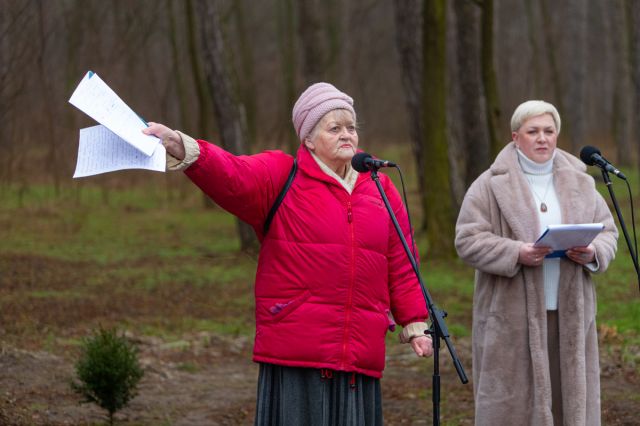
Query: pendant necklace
(543, 205)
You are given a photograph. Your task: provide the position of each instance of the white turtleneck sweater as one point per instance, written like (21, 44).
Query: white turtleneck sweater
(540, 178)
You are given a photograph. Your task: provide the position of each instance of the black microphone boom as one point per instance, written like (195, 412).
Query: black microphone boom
(592, 156)
(364, 162)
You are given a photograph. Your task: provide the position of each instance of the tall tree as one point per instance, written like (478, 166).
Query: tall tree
(14, 57)
(177, 70)
(436, 200)
(536, 62)
(233, 129)
(633, 26)
(471, 102)
(622, 86)
(46, 86)
(575, 29)
(205, 107)
(313, 42)
(550, 50)
(286, 45)
(408, 35)
(246, 85)
(489, 79)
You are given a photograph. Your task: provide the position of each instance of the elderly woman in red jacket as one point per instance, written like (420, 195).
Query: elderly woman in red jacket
(332, 275)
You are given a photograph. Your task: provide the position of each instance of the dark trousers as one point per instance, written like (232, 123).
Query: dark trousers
(553, 343)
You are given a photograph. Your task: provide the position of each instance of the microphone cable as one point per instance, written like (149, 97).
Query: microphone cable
(633, 224)
(634, 253)
(406, 203)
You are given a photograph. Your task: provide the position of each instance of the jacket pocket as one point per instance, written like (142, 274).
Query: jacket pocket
(277, 311)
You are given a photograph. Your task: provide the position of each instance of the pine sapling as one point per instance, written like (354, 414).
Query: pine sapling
(108, 371)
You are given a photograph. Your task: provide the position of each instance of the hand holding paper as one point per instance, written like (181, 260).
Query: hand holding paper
(120, 142)
(103, 151)
(170, 138)
(563, 237)
(582, 255)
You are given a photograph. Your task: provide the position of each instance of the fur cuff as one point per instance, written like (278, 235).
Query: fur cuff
(192, 152)
(415, 329)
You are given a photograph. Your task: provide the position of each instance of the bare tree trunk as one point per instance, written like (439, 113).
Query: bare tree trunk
(550, 49)
(489, 78)
(246, 84)
(576, 32)
(286, 44)
(202, 91)
(408, 18)
(332, 23)
(621, 100)
(536, 60)
(13, 57)
(633, 26)
(233, 130)
(180, 83)
(471, 103)
(179, 79)
(204, 107)
(47, 93)
(313, 43)
(437, 199)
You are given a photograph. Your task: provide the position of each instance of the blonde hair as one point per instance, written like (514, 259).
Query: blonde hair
(529, 109)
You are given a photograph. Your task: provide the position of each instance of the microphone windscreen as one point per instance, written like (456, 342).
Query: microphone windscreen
(586, 154)
(358, 162)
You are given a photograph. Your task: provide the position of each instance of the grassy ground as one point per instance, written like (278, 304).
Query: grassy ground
(161, 266)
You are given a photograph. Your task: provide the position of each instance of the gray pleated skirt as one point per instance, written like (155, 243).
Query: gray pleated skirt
(293, 396)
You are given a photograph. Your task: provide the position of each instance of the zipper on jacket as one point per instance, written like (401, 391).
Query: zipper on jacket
(347, 321)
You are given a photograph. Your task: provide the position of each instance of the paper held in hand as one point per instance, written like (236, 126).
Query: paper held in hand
(563, 237)
(119, 143)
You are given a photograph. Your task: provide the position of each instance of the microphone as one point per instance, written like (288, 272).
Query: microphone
(592, 156)
(364, 162)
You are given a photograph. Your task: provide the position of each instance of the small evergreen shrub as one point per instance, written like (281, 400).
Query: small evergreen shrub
(108, 371)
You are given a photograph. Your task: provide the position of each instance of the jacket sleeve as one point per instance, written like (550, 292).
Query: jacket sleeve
(606, 242)
(407, 302)
(476, 240)
(244, 185)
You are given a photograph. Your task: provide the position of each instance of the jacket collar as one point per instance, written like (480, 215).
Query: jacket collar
(308, 165)
(513, 195)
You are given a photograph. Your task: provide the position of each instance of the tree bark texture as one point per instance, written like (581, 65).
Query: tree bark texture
(633, 26)
(622, 103)
(286, 44)
(550, 49)
(408, 17)
(314, 49)
(437, 198)
(472, 120)
(576, 31)
(233, 131)
(489, 78)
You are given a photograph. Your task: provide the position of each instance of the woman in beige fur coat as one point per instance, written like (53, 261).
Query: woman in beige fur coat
(535, 348)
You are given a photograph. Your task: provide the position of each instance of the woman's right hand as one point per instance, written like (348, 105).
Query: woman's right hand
(530, 255)
(170, 139)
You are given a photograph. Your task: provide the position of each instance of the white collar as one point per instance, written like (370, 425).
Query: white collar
(531, 167)
(350, 178)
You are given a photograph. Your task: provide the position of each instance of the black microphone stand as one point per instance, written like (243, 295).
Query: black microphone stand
(634, 257)
(438, 328)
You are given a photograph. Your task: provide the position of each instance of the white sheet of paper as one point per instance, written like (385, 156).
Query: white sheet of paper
(563, 237)
(103, 151)
(98, 101)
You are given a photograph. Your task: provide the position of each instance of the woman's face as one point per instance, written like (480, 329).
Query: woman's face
(334, 139)
(537, 138)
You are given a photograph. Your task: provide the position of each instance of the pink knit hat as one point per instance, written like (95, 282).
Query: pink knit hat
(314, 103)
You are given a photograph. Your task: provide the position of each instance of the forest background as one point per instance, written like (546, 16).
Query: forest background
(434, 84)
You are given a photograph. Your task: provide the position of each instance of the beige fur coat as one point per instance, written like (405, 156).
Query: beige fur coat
(510, 363)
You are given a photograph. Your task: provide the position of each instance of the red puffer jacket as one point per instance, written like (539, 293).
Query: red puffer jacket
(331, 268)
